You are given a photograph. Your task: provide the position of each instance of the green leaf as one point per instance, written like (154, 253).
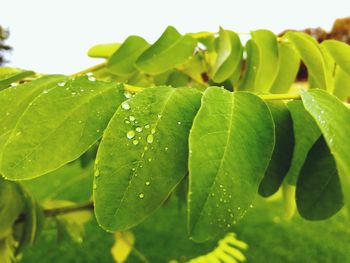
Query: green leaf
(341, 84)
(103, 50)
(11, 205)
(253, 57)
(15, 100)
(266, 42)
(122, 62)
(10, 75)
(7, 249)
(149, 134)
(306, 133)
(288, 66)
(231, 143)
(169, 51)
(318, 193)
(340, 52)
(282, 153)
(333, 118)
(229, 55)
(58, 126)
(320, 76)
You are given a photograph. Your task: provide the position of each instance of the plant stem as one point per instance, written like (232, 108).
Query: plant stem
(280, 97)
(90, 69)
(60, 211)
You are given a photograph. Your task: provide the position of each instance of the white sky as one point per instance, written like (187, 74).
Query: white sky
(53, 36)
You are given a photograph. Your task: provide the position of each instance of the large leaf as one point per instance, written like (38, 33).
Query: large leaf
(306, 133)
(282, 153)
(143, 155)
(169, 51)
(340, 52)
(122, 62)
(333, 118)
(341, 84)
(10, 75)
(231, 143)
(103, 50)
(229, 55)
(288, 66)
(15, 100)
(266, 42)
(58, 126)
(318, 193)
(319, 74)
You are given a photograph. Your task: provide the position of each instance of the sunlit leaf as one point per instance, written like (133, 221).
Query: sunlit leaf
(103, 50)
(10, 75)
(149, 133)
(124, 242)
(340, 52)
(231, 131)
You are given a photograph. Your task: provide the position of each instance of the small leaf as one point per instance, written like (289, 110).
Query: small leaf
(319, 194)
(149, 134)
(169, 51)
(320, 76)
(11, 205)
(103, 50)
(333, 119)
(342, 85)
(253, 59)
(306, 133)
(122, 62)
(10, 75)
(58, 126)
(340, 52)
(231, 143)
(266, 42)
(229, 55)
(288, 66)
(123, 245)
(282, 153)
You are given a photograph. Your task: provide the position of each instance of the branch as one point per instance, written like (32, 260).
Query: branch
(60, 211)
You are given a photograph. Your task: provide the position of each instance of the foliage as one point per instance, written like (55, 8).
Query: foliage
(155, 118)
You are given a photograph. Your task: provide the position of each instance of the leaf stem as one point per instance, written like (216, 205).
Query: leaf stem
(280, 97)
(90, 69)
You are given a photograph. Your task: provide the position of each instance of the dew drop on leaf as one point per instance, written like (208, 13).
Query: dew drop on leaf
(147, 126)
(135, 142)
(94, 187)
(141, 195)
(150, 138)
(147, 183)
(130, 134)
(127, 94)
(138, 129)
(131, 118)
(125, 105)
(61, 84)
(92, 78)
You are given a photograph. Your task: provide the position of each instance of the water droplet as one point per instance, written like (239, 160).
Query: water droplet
(159, 116)
(133, 169)
(322, 111)
(251, 206)
(221, 186)
(150, 138)
(92, 78)
(179, 122)
(97, 173)
(147, 183)
(141, 196)
(147, 126)
(125, 105)
(61, 84)
(82, 90)
(131, 118)
(153, 131)
(150, 159)
(98, 130)
(166, 148)
(45, 91)
(146, 148)
(95, 186)
(138, 129)
(212, 194)
(135, 142)
(228, 225)
(14, 84)
(127, 94)
(89, 74)
(130, 134)
(74, 93)
(127, 122)
(239, 208)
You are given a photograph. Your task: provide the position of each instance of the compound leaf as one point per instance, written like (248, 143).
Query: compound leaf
(231, 143)
(58, 126)
(143, 155)
(170, 50)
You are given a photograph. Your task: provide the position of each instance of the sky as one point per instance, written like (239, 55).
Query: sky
(51, 36)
